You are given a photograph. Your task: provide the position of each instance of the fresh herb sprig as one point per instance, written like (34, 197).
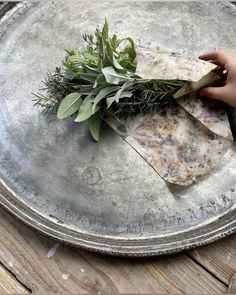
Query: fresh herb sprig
(101, 77)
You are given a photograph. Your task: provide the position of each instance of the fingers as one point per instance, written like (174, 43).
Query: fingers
(213, 92)
(216, 62)
(227, 63)
(219, 93)
(220, 56)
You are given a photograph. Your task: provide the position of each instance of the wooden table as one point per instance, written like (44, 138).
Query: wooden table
(30, 262)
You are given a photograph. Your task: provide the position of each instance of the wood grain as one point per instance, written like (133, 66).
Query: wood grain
(40, 266)
(232, 285)
(8, 284)
(219, 258)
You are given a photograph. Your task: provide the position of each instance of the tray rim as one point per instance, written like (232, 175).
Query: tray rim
(48, 227)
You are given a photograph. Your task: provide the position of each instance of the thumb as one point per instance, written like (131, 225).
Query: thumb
(218, 93)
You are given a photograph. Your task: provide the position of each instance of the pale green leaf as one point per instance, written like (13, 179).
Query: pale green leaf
(111, 99)
(103, 93)
(92, 69)
(69, 105)
(111, 56)
(109, 51)
(95, 126)
(100, 80)
(112, 77)
(88, 90)
(125, 86)
(88, 78)
(116, 64)
(130, 40)
(86, 109)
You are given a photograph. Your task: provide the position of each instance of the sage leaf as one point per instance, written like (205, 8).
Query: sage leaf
(103, 93)
(116, 64)
(86, 109)
(125, 86)
(86, 91)
(112, 77)
(87, 78)
(109, 51)
(95, 126)
(69, 105)
(111, 99)
(96, 70)
(130, 40)
(100, 80)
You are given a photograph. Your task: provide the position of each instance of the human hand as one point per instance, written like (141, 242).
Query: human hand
(226, 61)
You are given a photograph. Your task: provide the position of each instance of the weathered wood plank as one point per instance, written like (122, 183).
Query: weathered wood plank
(219, 258)
(186, 275)
(8, 284)
(232, 285)
(41, 265)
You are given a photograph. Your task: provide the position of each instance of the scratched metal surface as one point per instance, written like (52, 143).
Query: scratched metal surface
(104, 196)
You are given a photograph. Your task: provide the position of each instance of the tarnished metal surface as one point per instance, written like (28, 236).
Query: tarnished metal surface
(104, 196)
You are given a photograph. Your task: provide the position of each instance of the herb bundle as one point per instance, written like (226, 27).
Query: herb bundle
(101, 78)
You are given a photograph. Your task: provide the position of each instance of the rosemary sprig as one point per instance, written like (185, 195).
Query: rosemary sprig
(147, 98)
(101, 77)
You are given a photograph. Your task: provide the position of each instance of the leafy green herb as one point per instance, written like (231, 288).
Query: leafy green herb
(94, 126)
(101, 78)
(69, 105)
(86, 110)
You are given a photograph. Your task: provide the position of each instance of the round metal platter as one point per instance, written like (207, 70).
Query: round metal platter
(104, 196)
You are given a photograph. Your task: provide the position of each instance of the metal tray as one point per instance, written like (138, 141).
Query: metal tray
(104, 196)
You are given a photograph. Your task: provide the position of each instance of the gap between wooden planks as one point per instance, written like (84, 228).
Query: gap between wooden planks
(27, 255)
(8, 284)
(41, 264)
